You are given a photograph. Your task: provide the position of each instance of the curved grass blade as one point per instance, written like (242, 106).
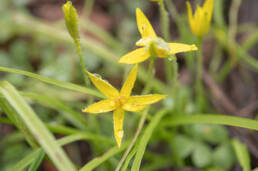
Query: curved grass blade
(22, 164)
(69, 114)
(128, 159)
(212, 119)
(37, 161)
(242, 155)
(145, 139)
(99, 160)
(58, 83)
(15, 119)
(36, 127)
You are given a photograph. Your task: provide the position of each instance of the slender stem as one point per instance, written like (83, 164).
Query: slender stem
(199, 86)
(174, 73)
(150, 75)
(164, 18)
(82, 63)
(164, 21)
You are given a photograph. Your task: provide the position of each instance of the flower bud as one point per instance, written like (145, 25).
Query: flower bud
(71, 20)
(200, 21)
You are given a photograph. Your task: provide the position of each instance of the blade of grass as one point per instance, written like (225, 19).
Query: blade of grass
(64, 130)
(69, 114)
(18, 122)
(62, 84)
(211, 119)
(99, 160)
(242, 155)
(5, 120)
(128, 159)
(22, 164)
(145, 139)
(37, 128)
(37, 161)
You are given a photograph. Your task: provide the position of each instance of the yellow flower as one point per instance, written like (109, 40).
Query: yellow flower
(200, 21)
(151, 44)
(120, 101)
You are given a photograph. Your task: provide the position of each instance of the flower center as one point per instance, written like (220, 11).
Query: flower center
(120, 100)
(156, 46)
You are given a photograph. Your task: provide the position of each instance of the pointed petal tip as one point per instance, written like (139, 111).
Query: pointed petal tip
(194, 47)
(119, 145)
(138, 10)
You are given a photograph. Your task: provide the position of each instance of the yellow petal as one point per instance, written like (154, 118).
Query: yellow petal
(144, 100)
(190, 16)
(101, 106)
(133, 107)
(136, 56)
(118, 117)
(208, 7)
(180, 47)
(108, 90)
(144, 25)
(129, 83)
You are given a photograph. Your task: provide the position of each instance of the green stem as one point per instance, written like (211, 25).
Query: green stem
(164, 18)
(82, 63)
(150, 76)
(164, 21)
(199, 86)
(175, 73)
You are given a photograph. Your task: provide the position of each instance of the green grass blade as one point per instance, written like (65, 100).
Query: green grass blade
(18, 122)
(37, 128)
(128, 159)
(37, 161)
(145, 139)
(22, 164)
(242, 155)
(99, 160)
(69, 114)
(58, 83)
(212, 119)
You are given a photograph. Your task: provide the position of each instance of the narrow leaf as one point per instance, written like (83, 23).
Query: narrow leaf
(36, 127)
(145, 139)
(18, 122)
(242, 155)
(99, 160)
(212, 119)
(58, 83)
(37, 161)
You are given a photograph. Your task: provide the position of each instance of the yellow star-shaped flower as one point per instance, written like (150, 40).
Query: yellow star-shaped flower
(120, 101)
(200, 21)
(151, 44)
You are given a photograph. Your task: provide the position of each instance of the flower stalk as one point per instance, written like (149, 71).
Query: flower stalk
(71, 22)
(199, 72)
